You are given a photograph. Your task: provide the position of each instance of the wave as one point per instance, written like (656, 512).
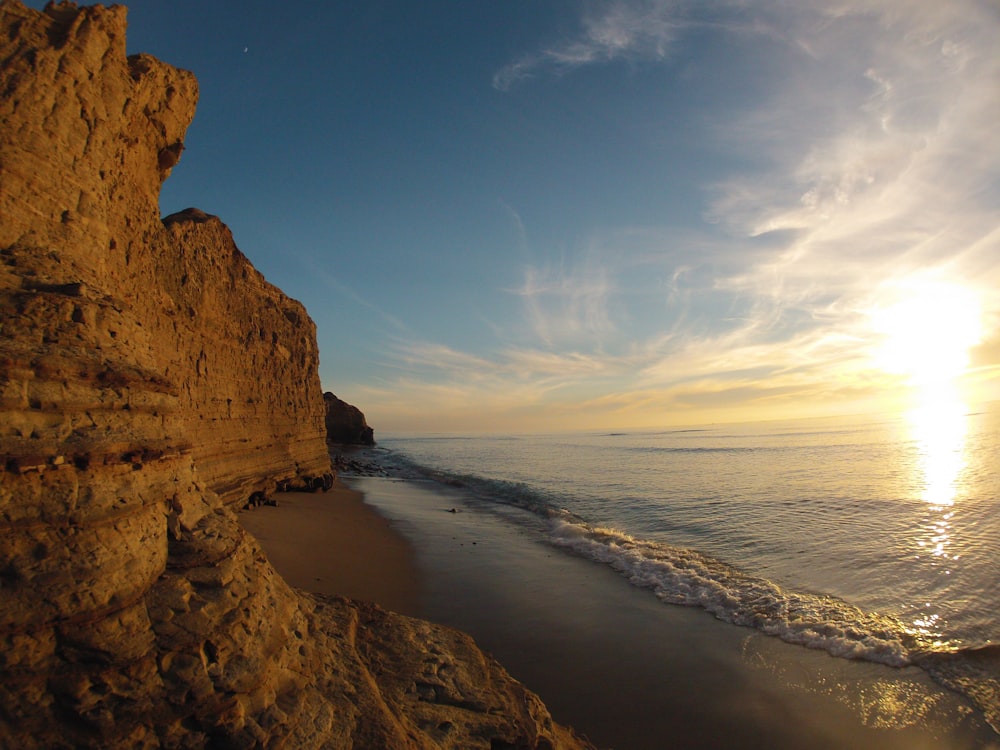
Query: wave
(658, 434)
(687, 577)
(677, 575)
(735, 449)
(973, 672)
(704, 449)
(504, 492)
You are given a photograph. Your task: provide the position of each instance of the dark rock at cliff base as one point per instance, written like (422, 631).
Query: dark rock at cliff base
(346, 424)
(151, 378)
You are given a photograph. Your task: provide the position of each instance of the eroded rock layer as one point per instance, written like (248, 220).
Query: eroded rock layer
(150, 377)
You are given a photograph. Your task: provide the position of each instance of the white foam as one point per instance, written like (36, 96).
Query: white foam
(683, 576)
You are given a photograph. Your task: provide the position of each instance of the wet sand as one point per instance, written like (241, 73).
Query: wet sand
(611, 660)
(633, 673)
(333, 543)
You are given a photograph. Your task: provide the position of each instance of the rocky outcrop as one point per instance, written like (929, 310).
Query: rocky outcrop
(150, 377)
(345, 424)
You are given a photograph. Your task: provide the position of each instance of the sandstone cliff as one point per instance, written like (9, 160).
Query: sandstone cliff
(345, 423)
(150, 377)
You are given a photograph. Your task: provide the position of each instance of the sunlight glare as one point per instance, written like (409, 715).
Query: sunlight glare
(928, 333)
(938, 426)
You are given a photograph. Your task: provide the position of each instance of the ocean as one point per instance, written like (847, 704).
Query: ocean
(872, 539)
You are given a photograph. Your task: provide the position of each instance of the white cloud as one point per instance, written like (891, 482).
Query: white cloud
(640, 30)
(568, 303)
(875, 181)
(522, 364)
(875, 160)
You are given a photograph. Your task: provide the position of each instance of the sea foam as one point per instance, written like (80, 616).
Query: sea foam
(686, 577)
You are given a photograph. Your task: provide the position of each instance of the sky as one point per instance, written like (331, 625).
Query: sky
(539, 215)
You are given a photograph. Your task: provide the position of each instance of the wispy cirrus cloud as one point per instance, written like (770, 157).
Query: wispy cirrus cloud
(893, 173)
(869, 158)
(345, 290)
(524, 387)
(642, 30)
(513, 388)
(525, 364)
(568, 303)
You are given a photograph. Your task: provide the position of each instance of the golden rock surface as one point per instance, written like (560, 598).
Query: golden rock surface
(150, 380)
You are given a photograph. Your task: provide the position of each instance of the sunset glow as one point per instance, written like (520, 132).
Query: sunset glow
(927, 334)
(548, 216)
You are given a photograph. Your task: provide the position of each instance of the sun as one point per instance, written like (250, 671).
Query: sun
(927, 332)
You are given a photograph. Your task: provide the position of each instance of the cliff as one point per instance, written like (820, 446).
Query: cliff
(113, 292)
(345, 423)
(251, 405)
(149, 379)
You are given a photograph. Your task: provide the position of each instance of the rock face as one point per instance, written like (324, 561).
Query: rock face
(345, 423)
(149, 378)
(111, 292)
(252, 412)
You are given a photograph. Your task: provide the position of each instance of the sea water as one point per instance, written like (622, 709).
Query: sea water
(870, 538)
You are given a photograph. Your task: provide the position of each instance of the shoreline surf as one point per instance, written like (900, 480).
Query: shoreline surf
(629, 672)
(682, 576)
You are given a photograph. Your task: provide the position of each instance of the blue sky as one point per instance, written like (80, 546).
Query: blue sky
(517, 216)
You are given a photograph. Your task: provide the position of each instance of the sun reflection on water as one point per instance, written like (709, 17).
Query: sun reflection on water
(938, 426)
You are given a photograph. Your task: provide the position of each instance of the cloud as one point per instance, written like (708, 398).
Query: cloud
(419, 355)
(565, 303)
(514, 364)
(868, 186)
(348, 291)
(636, 30)
(891, 174)
(515, 388)
(869, 158)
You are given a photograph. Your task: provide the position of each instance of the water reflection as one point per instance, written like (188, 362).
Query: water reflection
(881, 698)
(939, 426)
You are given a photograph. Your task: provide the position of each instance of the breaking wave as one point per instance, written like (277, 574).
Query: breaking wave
(687, 577)
(677, 575)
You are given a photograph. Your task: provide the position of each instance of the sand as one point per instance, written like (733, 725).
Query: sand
(607, 658)
(332, 543)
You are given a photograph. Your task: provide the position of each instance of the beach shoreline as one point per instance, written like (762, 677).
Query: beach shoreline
(608, 659)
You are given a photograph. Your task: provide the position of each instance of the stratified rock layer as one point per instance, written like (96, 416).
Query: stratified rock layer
(346, 424)
(250, 400)
(149, 377)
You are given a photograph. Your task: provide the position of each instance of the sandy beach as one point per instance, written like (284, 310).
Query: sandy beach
(333, 543)
(610, 660)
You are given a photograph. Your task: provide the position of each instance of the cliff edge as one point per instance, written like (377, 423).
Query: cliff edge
(150, 378)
